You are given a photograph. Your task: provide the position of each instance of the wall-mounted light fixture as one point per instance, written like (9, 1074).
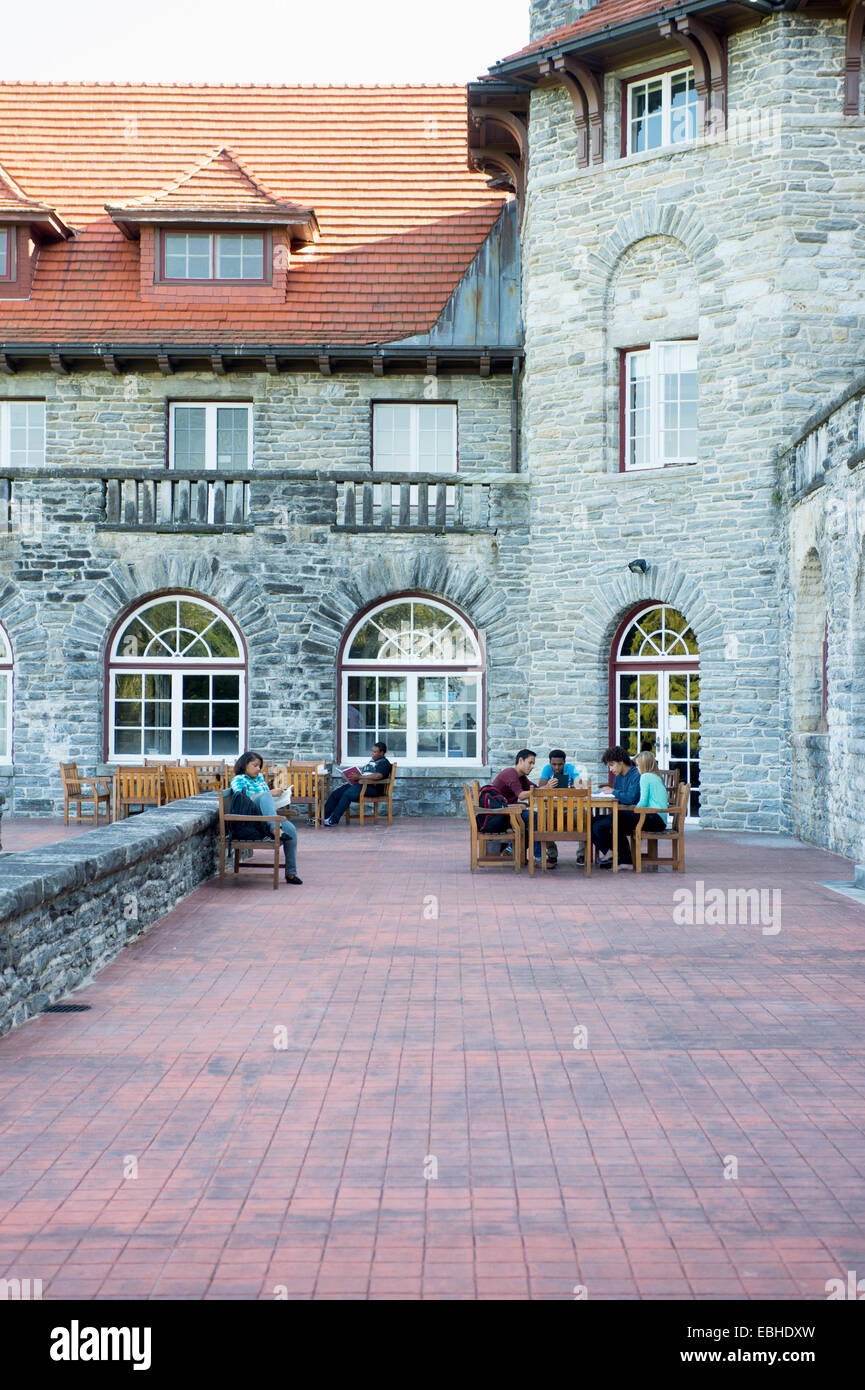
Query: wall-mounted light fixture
(638, 566)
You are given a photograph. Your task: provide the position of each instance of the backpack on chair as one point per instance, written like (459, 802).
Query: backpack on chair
(491, 799)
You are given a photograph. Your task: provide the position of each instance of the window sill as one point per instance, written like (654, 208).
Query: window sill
(670, 470)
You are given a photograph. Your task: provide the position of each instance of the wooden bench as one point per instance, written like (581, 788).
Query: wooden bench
(383, 799)
(561, 813)
(479, 855)
(226, 841)
(675, 834)
(213, 773)
(78, 789)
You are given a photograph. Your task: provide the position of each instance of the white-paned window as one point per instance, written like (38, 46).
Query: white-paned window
(5, 698)
(412, 678)
(177, 680)
(5, 254)
(22, 433)
(414, 438)
(210, 435)
(661, 110)
(213, 255)
(660, 397)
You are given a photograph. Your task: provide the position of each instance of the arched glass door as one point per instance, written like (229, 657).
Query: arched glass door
(655, 692)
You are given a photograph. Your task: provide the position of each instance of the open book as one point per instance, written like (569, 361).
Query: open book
(351, 774)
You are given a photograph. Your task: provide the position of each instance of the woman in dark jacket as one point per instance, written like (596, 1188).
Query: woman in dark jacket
(626, 790)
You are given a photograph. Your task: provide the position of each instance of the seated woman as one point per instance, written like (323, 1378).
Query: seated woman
(626, 790)
(253, 797)
(652, 792)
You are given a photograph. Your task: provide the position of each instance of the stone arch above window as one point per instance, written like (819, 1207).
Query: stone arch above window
(653, 294)
(809, 641)
(648, 219)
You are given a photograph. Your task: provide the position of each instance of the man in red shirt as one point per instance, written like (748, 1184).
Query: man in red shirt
(514, 785)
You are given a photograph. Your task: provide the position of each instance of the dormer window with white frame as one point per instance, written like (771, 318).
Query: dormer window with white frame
(659, 405)
(660, 110)
(236, 257)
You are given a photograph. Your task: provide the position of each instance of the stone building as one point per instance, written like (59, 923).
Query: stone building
(314, 429)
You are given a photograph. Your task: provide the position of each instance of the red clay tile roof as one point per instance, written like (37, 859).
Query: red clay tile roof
(218, 182)
(384, 168)
(606, 14)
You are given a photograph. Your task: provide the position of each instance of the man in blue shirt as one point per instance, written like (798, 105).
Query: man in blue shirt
(626, 790)
(559, 773)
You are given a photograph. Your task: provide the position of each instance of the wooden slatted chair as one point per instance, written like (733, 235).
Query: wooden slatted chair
(370, 805)
(479, 855)
(213, 773)
(180, 782)
(78, 789)
(675, 834)
(562, 814)
(671, 777)
(306, 791)
(227, 843)
(136, 786)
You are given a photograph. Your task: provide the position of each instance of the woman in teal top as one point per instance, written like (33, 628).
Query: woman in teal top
(652, 790)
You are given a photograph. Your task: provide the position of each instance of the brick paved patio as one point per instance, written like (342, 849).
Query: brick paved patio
(415, 1042)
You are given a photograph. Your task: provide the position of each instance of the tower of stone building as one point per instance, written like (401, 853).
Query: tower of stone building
(547, 15)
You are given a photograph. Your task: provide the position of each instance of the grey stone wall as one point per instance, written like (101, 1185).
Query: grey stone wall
(822, 480)
(546, 15)
(750, 242)
(66, 912)
(293, 584)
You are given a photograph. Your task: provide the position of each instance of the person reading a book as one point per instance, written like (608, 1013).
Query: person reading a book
(253, 797)
(376, 774)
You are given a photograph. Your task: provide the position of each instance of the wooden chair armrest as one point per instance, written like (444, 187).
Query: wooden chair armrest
(256, 820)
(94, 781)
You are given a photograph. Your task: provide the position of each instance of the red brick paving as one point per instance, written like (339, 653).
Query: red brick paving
(301, 1170)
(32, 832)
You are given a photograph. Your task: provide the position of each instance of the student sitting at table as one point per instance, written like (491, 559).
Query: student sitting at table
(514, 785)
(559, 773)
(626, 790)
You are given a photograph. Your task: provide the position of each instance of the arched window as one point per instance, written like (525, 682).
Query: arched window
(177, 682)
(412, 675)
(5, 698)
(655, 691)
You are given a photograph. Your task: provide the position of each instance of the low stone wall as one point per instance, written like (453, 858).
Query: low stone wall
(67, 909)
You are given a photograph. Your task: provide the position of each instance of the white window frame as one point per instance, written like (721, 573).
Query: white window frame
(214, 249)
(667, 138)
(655, 353)
(176, 668)
(6, 433)
(6, 267)
(450, 465)
(210, 408)
(410, 671)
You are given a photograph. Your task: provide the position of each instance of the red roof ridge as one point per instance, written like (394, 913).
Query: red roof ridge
(223, 152)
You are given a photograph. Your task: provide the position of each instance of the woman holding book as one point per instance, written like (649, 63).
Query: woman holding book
(253, 797)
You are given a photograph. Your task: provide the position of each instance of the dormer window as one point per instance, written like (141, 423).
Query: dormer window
(661, 110)
(6, 246)
(232, 256)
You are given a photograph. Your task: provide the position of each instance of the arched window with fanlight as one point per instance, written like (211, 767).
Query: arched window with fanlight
(655, 691)
(176, 682)
(5, 698)
(411, 675)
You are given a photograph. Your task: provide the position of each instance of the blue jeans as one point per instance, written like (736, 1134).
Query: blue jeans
(243, 805)
(504, 823)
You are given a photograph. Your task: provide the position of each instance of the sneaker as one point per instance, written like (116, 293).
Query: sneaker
(328, 822)
(293, 878)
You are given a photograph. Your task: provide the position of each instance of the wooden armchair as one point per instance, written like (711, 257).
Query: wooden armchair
(560, 814)
(307, 791)
(479, 855)
(77, 790)
(136, 786)
(226, 843)
(180, 782)
(372, 804)
(671, 776)
(675, 834)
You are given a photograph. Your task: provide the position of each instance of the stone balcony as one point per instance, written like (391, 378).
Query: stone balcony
(188, 503)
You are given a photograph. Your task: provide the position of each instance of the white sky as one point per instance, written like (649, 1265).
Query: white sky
(281, 41)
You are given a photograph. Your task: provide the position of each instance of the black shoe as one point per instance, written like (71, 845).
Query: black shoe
(293, 878)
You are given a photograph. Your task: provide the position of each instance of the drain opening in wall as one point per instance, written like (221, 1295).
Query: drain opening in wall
(66, 1009)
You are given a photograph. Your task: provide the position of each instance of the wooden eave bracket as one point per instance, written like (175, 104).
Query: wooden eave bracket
(57, 363)
(6, 366)
(110, 361)
(853, 58)
(515, 162)
(217, 362)
(485, 364)
(707, 51)
(324, 364)
(378, 364)
(271, 363)
(497, 157)
(164, 362)
(586, 90)
(432, 364)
